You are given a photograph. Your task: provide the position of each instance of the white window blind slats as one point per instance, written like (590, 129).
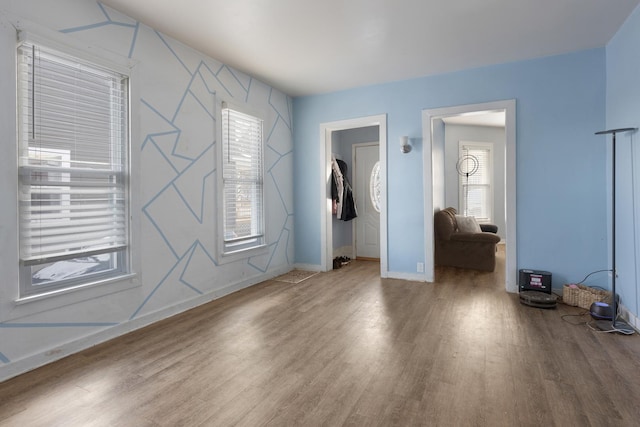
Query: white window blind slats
(242, 205)
(68, 229)
(54, 225)
(477, 187)
(96, 186)
(50, 246)
(242, 174)
(47, 153)
(86, 187)
(77, 173)
(76, 253)
(482, 157)
(46, 215)
(73, 159)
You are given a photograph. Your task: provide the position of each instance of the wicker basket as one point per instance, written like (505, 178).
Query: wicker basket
(583, 296)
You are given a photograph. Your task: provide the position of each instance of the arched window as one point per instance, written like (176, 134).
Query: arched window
(374, 186)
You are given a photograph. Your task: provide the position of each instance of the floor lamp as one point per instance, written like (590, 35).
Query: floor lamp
(616, 325)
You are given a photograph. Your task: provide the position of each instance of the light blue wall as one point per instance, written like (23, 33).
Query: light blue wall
(561, 194)
(178, 92)
(623, 110)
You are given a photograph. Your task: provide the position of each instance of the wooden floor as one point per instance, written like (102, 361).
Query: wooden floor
(345, 348)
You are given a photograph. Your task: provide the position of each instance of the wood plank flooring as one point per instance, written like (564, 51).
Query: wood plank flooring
(345, 348)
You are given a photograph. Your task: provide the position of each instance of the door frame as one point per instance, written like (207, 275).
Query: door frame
(353, 184)
(430, 135)
(326, 231)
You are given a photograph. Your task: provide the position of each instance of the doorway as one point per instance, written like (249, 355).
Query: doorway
(327, 131)
(435, 177)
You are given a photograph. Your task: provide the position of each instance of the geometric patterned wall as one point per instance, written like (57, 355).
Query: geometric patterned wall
(179, 89)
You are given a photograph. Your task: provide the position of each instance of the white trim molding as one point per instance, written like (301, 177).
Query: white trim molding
(326, 232)
(629, 317)
(430, 136)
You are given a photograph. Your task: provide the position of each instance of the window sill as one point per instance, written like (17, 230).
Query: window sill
(241, 254)
(34, 304)
(44, 295)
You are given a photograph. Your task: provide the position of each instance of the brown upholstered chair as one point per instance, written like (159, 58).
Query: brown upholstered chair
(465, 250)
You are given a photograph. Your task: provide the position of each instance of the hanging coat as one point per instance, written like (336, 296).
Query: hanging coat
(337, 187)
(341, 191)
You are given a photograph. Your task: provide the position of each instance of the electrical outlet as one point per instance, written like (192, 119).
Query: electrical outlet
(420, 267)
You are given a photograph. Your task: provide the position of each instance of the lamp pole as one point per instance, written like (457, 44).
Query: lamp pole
(614, 306)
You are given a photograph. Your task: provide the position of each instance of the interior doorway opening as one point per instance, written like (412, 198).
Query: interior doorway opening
(442, 184)
(358, 131)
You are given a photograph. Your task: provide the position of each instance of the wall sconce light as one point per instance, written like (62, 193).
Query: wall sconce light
(405, 147)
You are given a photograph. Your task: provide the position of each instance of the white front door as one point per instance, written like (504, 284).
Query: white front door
(367, 224)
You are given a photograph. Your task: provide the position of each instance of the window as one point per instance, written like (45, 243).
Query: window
(73, 181)
(475, 171)
(242, 181)
(374, 187)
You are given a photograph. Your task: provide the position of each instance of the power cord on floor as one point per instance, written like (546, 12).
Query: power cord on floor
(565, 316)
(608, 331)
(579, 283)
(591, 323)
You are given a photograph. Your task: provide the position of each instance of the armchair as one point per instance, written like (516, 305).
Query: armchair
(462, 249)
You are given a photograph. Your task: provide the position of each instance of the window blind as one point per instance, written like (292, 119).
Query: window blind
(242, 174)
(73, 142)
(477, 187)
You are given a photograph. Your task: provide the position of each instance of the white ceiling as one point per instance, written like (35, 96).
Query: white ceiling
(306, 47)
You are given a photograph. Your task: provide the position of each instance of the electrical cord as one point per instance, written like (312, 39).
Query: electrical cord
(583, 280)
(591, 274)
(585, 312)
(608, 331)
(590, 323)
(565, 316)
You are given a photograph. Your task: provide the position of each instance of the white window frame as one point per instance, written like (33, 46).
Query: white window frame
(228, 249)
(488, 146)
(12, 304)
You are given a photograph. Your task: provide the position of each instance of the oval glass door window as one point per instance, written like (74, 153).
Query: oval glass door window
(374, 186)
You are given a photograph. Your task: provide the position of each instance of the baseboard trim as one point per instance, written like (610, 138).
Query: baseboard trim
(407, 276)
(343, 251)
(308, 267)
(29, 363)
(630, 318)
